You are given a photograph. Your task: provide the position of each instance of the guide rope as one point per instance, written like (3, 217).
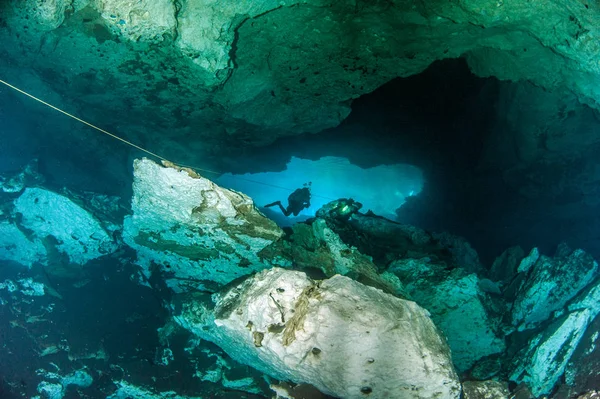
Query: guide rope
(83, 121)
(129, 143)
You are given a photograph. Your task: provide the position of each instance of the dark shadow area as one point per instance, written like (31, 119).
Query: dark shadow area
(69, 154)
(439, 121)
(104, 322)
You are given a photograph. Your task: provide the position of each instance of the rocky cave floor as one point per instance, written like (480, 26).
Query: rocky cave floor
(101, 322)
(103, 328)
(101, 315)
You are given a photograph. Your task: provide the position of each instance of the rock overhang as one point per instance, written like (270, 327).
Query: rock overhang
(258, 71)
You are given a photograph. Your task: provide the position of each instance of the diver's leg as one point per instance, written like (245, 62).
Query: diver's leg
(283, 210)
(293, 207)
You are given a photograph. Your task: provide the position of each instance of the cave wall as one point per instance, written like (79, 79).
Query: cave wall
(205, 82)
(202, 77)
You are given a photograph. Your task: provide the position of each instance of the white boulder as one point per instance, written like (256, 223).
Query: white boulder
(198, 233)
(77, 233)
(344, 338)
(16, 247)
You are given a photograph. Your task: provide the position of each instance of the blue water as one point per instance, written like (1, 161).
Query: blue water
(382, 189)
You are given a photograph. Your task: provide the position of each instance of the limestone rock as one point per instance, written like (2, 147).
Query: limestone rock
(25, 286)
(315, 245)
(74, 232)
(487, 368)
(542, 363)
(590, 395)
(145, 20)
(383, 239)
(49, 14)
(581, 372)
(207, 31)
(582, 368)
(464, 255)
(485, 390)
(549, 284)
(16, 247)
(260, 70)
(54, 385)
(346, 339)
(29, 176)
(525, 110)
(505, 266)
(345, 48)
(221, 369)
(457, 307)
(199, 234)
(127, 390)
(571, 40)
(422, 265)
(299, 391)
(566, 347)
(527, 262)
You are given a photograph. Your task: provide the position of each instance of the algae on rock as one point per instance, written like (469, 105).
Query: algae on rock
(350, 338)
(199, 235)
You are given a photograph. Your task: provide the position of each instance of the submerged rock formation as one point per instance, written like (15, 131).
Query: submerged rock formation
(458, 306)
(556, 300)
(346, 339)
(485, 390)
(42, 226)
(80, 237)
(531, 319)
(254, 71)
(549, 284)
(17, 247)
(198, 234)
(389, 310)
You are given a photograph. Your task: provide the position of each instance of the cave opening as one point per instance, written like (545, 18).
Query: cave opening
(449, 124)
(445, 130)
(434, 123)
(189, 289)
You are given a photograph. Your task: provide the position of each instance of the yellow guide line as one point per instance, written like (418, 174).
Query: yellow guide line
(114, 136)
(82, 121)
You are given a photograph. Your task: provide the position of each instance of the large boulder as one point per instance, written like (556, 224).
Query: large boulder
(344, 338)
(61, 224)
(434, 270)
(558, 351)
(542, 363)
(316, 245)
(549, 283)
(17, 247)
(504, 267)
(581, 372)
(199, 235)
(458, 305)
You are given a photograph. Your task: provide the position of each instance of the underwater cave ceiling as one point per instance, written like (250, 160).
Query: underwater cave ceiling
(211, 76)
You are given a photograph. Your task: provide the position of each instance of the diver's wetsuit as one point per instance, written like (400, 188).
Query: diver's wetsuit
(298, 200)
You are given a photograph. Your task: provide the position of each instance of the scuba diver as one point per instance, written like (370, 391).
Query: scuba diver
(297, 201)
